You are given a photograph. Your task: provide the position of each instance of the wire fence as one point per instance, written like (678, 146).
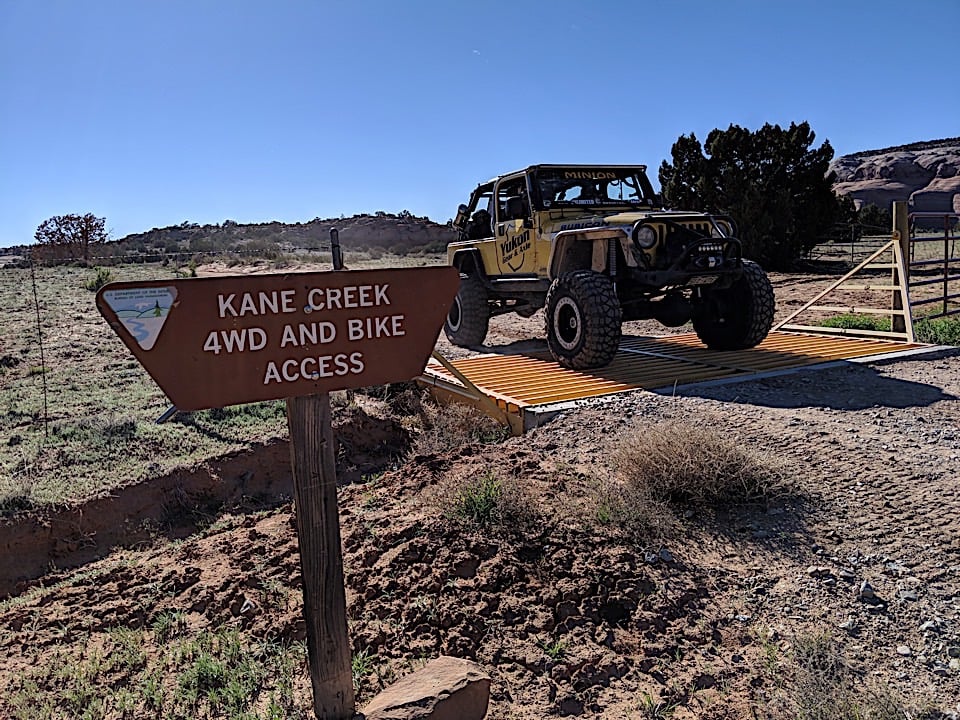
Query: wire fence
(934, 262)
(848, 252)
(851, 244)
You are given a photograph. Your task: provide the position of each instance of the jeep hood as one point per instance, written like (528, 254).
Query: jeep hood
(632, 217)
(620, 218)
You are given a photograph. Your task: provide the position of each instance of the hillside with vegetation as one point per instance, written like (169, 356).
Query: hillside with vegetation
(381, 232)
(400, 234)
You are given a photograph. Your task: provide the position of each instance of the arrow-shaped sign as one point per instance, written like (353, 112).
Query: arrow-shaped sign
(212, 342)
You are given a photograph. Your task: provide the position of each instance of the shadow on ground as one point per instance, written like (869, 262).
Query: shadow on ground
(843, 386)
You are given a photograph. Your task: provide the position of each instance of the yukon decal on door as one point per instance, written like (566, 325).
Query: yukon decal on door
(512, 251)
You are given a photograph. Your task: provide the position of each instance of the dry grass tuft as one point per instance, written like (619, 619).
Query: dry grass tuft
(408, 400)
(452, 426)
(821, 685)
(632, 510)
(676, 460)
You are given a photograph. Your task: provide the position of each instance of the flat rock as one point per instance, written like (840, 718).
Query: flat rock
(446, 688)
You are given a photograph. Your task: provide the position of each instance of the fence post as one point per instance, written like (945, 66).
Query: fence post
(901, 235)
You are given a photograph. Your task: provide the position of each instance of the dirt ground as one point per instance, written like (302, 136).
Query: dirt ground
(571, 618)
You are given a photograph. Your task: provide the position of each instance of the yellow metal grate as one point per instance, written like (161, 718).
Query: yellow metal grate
(516, 382)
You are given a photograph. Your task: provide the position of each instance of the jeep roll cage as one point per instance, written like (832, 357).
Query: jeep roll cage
(555, 181)
(596, 186)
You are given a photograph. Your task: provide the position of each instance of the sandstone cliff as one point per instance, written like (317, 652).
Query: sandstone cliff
(926, 173)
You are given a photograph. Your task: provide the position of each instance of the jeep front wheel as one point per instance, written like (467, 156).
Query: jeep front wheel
(583, 320)
(469, 317)
(738, 317)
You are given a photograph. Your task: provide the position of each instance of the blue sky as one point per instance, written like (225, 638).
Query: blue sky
(153, 112)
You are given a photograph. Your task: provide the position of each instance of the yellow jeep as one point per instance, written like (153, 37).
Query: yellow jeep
(591, 245)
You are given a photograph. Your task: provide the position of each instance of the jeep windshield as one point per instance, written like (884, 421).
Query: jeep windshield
(579, 187)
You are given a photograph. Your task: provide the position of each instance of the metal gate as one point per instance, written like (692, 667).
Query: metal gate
(934, 266)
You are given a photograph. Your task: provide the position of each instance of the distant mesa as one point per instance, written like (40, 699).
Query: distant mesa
(927, 174)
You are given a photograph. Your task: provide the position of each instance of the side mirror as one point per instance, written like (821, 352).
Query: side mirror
(462, 216)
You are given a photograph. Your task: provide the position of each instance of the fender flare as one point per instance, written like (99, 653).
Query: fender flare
(469, 262)
(564, 240)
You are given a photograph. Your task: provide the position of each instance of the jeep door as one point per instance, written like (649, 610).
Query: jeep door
(515, 235)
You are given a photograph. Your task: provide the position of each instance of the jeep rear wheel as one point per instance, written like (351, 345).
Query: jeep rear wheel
(738, 317)
(583, 320)
(469, 317)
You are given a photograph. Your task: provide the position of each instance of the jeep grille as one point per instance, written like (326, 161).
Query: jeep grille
(704, 229)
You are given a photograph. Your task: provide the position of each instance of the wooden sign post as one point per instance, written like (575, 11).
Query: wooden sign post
(213, 342)
(318, 531)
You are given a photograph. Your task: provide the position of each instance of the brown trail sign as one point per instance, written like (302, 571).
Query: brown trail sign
(212, 342)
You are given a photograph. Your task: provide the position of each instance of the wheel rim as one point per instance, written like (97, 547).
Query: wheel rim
(567, 323)
(455, 315)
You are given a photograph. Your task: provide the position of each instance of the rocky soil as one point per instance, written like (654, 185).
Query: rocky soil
(854, 563)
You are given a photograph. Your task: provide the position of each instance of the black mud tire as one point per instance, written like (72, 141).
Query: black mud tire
(740, 316)
(583, 320)
(469, 317)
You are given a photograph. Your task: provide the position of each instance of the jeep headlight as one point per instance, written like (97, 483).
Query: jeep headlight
(645, 236)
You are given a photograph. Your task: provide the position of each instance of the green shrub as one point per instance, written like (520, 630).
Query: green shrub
(168, 625)
(488, 501)
(850, 321)
(478, 500)
(938, 331)
(101, 277)
(362, 664)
